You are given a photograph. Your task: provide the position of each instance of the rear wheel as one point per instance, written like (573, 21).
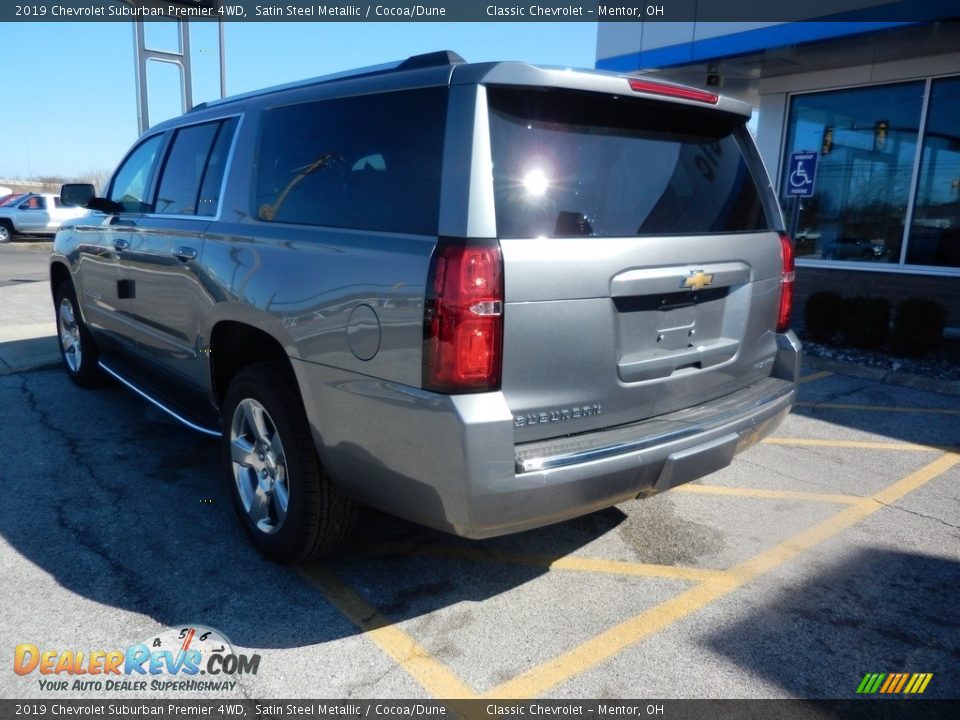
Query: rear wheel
(286, 502)
(78, 349)
(6, 231)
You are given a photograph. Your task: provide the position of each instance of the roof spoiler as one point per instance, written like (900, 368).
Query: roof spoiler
(433, 59)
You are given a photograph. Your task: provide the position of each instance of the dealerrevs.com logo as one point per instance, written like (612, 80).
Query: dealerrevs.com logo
(191, 658)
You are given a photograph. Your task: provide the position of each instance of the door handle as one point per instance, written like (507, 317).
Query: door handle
(185, 253)
(121, 244)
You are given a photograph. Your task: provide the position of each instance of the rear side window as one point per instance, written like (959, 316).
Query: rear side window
(371, 162)
(193, 170)
(216, 165)
(570, 164)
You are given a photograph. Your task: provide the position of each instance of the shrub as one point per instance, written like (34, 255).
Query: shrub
(864, 321)
(917, 327)
(821, 316)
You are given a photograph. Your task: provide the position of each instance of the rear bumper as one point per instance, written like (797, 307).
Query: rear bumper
(450, 462)
(573, 476)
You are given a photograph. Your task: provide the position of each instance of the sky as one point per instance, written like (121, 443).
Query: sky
(69, 98)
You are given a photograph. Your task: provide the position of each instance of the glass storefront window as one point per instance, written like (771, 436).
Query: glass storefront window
(867, 140)
(935, 229)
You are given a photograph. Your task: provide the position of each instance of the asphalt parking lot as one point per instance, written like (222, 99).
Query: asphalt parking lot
(825, 553)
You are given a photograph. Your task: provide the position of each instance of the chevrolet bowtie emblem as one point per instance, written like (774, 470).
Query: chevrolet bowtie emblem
(696, 280)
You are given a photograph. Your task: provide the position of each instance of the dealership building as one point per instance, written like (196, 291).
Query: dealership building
(874, 104)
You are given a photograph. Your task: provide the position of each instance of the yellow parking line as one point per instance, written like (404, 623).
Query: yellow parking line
(550, 562)
(608, 643)
(812, 377)
(613, 641)
(769, 559)
(855, 444)
(771, 494)
(879, 408)
(432, 675)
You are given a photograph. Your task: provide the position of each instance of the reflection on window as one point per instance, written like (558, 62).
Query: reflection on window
(130, 181)
(370, 162)
(566, 164)
(180, 180)
(867, 140)
(935, 230)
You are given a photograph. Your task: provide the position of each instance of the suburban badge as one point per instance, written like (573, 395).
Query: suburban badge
(557, 415)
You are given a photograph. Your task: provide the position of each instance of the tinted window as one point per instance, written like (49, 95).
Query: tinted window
(582, 164)
(217, 163)
(129, 187)
(183, 170)
(370, 162)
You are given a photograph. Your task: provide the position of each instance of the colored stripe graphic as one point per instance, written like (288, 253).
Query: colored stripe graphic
(892, 679)
(870, 683)
(903, 681)
(918, 683)
(893, 683)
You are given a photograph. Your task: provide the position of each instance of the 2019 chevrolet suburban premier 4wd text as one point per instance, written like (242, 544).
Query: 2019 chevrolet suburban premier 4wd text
(483, 297)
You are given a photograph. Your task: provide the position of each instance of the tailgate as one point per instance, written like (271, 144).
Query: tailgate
(641, 259)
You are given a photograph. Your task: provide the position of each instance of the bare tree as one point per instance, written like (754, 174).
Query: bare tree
(98, 177)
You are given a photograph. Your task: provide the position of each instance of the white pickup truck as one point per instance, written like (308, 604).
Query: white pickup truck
(35, 214)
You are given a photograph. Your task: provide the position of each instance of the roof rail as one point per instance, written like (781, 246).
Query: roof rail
(414, 62)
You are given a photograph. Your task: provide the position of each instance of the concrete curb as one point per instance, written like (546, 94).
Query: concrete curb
(28, 332)
(889, 377)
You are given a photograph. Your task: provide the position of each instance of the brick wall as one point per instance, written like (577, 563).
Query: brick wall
(892, 286)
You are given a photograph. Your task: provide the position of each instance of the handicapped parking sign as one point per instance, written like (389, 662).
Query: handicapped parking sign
(801, 174)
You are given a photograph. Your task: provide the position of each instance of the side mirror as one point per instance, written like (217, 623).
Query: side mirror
(83, 195)
(103, 205)
(76, 194)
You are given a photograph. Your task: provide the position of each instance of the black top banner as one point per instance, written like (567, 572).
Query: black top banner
(483, 11)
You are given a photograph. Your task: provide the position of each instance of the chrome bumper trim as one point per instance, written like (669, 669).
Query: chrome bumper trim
(548, 462)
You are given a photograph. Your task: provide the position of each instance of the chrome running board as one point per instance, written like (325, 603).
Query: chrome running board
(159, 405)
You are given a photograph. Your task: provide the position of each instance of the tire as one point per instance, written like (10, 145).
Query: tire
(6, 231)
(78, 349)
(279, 489)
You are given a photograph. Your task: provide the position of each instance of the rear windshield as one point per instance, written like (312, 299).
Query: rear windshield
(570, 164)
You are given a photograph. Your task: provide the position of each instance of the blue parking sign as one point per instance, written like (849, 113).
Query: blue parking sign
(801, 174)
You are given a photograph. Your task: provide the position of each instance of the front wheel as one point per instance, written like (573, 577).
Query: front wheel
(286, 502)
(78, 349)
(6, 231)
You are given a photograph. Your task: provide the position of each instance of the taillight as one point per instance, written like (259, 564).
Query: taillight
(786, 283)
(463, 317)
(678, 91)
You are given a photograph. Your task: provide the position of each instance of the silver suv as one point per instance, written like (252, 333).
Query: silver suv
(483, 297)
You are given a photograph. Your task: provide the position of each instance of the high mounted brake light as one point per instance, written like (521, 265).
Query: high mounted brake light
(463, 318)
(677, 91)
